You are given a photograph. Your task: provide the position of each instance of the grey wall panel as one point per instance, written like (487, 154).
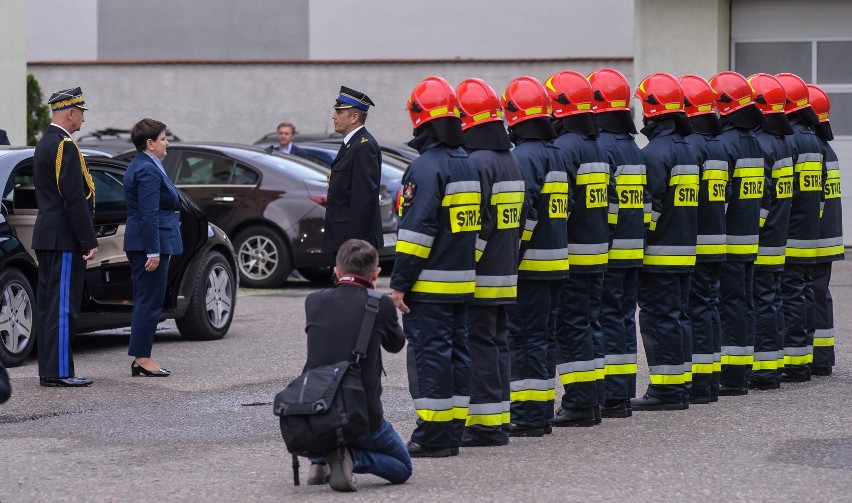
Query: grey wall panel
(790, 19)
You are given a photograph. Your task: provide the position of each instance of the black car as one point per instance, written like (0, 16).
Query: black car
(202, 286)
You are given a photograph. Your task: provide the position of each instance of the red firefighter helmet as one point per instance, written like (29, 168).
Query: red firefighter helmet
(524, 98)
(819, 102)
(610, 90)
(797, 91)
(732, 92)
(478, 103)
(698, 98)
(660, 94)
(432, 98)
(768, 93)
(570, 93)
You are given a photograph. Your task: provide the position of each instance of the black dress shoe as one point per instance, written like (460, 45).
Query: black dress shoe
(714, 398)
(70, 382)
(820, 371)
(520, 430)
(732, 391)
(696, 399)
(478, 441)
(136, 370)
(416, 450)
(651, 403)
(616, 409)
(582, 416)
(763, 385)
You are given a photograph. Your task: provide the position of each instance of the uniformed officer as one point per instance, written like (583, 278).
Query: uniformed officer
(830, 244)
(769, 95)
(672, 166)
(710, 246)
(497, 244)
(610, 102)
(803, 238)
(739, 116)
(544, 255)
(581, 367)
(434, 275)
(353, 183)
(63, 237)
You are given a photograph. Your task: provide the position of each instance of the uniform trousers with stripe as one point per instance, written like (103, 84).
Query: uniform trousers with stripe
(532, 351)
(488, 341)
(60, 290)
(738, 318)
(798, 296)
(769, 328)
(580, 360)
(666, 332)
(438, 371)
(618, 327)
(706, 329)
(823, 316)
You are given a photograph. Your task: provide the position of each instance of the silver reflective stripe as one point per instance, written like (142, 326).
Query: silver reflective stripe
(798, 351)
(460, 401)
(587, 249)
(507, 406)
(783, 163)
(567, 368)
(685, 169)
(737, 350)
(480, 244)
(702, 359)
(630, 169)
(771, 251)
(735, 239)
(672, 370)
(415, 237)
(749, 162)
(647, 207)
(832, 165)
(670, 250)
(530, 224)
(446, 276)
(536, 384)
(764, 213)
(593, 167)
(802, 243)
(599, 363)
(717, 357)
(613, 208)
(553, 254)
(712, 239)
(508, 280)
(810, 156)
(628, 244)
(556, 176)
(716, 164)
(655, 215)
(433, 403)
(619, 359)
(465, 186)
(825, 242)
(823, 333)
(508, 186)
(764, 356)
(726, 207)
(483, 409)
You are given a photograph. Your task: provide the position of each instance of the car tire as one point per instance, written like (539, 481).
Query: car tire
(263, 260)
(211, 305)
(17, 318)
(321, 275)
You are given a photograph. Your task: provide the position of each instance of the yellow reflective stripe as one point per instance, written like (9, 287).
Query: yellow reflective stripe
(478, 254)
(495, 292)
(832, 173)
(702, 368)
(663, 379)
(714, 174)
(710, 249)
(747, 172)
(620, 369)
(596, 259)
(526, 236)
(413, 249)
(798, 360)
(484, 419)
(631, 179)
(801, 252)
(737, 359)
(444, 287)
(481, 116)
(554, 188)
(612, 218)
(683, 180)
(782, 172)
(507, 198)
(460, 198)
(830, 250)
(808, 166)
(741, 249)
(765, 365)
(589, 178)
(619, 254)
(680, 260)
(687, 377)
(436, 416)
(533, 395)
(717, 366)
(769, 260)
(544, 265)
(652, 224)
(823, 342)
(579, 376)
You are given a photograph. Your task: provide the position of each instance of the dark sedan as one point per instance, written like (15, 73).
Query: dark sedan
(202, 288)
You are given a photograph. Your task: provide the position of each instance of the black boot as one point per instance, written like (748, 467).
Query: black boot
(616, 408)
(732, 391)
(582, 416)
(651, 403)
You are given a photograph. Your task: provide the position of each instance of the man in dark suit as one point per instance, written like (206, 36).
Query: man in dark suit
(353, 184)
(63, 237)
(286, 133)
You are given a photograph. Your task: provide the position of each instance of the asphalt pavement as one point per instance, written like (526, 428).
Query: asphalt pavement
(207, 433)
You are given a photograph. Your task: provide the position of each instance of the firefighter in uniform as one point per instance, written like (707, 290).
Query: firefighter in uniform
(611, 105)
(497, 244)
(581, 363)
(830, 244)
(802, 241)
(544, 255)
(673, 179)
(739, 116)
(710, 246)
(769, 95)
(434, 274)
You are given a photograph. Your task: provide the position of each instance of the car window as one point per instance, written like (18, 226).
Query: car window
(243, 175)
(109, 192)
(203, 169)
(297, 169)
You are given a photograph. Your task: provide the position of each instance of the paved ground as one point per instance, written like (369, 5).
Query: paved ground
(207, 433)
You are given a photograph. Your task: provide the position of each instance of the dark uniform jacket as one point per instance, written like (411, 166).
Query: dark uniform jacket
(780, 188)
(498, 240)
(830, 244)
(544, 239)
(713, 195)
(808, 196)
(65, 194)
(331, 339)
(673, 179)
(440, 218)
(588, 227)
(352, 210)
(633, 208)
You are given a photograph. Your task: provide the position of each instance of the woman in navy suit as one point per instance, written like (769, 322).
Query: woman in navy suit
(151, 237)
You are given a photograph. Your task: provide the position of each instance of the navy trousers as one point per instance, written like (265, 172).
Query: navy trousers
(769, 328)
(149, 290)
(618, 328)
(823, 316)
(798, 297)
(60, 291)
(706, 329)
(488, 341)
(738, 319)
(581, 362)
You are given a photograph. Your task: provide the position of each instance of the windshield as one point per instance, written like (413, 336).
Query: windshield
(302, 171)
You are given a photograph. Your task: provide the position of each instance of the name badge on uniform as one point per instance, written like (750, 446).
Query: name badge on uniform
(716, 190)
(509, 215)
(596, 195)
(686, 194)
(751, 188)
(630, 197)
(810, 181)
(558, 206)
(784, 187)
(465, 218)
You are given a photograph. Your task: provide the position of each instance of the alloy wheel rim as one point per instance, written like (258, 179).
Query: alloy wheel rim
(16, 318)
(219, 296)
(257, 258)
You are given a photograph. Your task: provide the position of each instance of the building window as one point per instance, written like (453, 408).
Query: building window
(774, 57)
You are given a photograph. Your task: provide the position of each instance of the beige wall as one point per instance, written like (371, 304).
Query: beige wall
(13, 70)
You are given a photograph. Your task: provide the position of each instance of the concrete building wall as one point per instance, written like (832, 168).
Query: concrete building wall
(219, 102)
(13, 70)
(73, 36)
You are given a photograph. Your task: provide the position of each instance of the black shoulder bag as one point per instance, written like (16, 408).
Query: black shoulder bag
(326, 407)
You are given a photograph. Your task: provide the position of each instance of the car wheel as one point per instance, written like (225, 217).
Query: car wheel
(262, 258)
(317, 274)
(211, 306)
(17, 314)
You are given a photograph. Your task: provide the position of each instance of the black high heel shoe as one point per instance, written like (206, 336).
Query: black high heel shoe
(136, 370)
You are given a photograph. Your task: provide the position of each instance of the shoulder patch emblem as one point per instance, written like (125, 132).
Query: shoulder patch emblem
(408, 193)
(364, 139)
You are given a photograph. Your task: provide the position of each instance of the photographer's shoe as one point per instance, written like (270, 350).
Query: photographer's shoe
(340, 464)
(318, 475)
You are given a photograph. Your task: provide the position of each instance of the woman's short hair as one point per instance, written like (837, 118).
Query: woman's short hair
(144, 130)
(358, 257)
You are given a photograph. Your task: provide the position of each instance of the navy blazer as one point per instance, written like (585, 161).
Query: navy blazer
(153, 209)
